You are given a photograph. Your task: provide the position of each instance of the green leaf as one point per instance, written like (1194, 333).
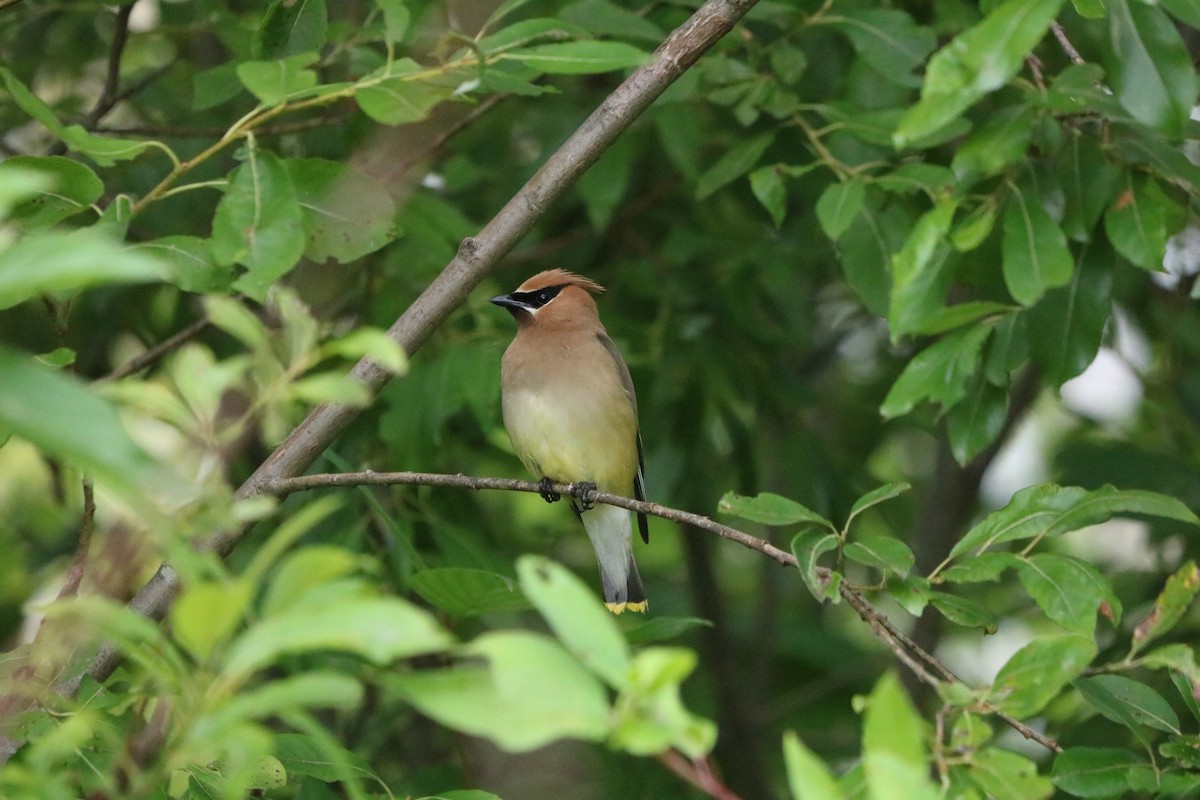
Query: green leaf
(1183, 749)
(1088, 179)
(808, 777)
(207, 613)
(531, 30)
(910, 593)
(305, 570)
(1038, 672)
(887, 40)
(1000, 141)
(291, 27)
(919, 279)
(604, 18)
(808, 546)
(334, 386)
(940, 373)
(1067, 325)
(974, 63)
(465, 592)
(47, 263)
(1093, 771)
(1048, 510)
(396, 18)
(586, 57)
(839, 205)
(378, 629)
(1008, 349)
(575, 615)
(980, 568)
(880, 494)
(962, 611)
(63, 418)
(865, 250)
(770, 509)
(948, 318)
(69, 188)
(881, 552)
(659, 629)
(371, 343)
(894, 755)
(346, 215)
(272, 81)
(317, 689)
(404, 94)
(301, 754)
(1035, 252)
(1006, 775)
(1150, 69)
(215, 86)
(531, 693)
(1183, 10)
(103, 150)
(190, 262)
(464, 794)
(1169, 607)
(769, 190)
(974, 228)
(734, 164)
(258, 223)
(1068, 590)
(1141, 220)
(650, 716)
(976, 420)
(1129, 703)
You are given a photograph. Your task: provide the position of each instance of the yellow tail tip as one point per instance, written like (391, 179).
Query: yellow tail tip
(620, 608)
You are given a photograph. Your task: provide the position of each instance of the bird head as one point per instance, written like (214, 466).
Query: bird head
(555, 296)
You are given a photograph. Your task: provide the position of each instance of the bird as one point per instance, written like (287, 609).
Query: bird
(571, 413)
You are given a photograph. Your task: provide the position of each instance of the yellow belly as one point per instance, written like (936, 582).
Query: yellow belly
(579, 437)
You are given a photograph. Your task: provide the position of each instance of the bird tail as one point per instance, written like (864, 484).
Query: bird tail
(609, 529)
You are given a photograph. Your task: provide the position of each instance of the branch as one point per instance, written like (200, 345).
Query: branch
(917, 659)
(476, 257)
(698, 772)
(285, 486)
(140, 362)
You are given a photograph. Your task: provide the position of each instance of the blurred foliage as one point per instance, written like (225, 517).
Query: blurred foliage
(867, 262)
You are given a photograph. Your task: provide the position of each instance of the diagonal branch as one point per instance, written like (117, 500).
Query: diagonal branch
(912, 655)
(476, 257)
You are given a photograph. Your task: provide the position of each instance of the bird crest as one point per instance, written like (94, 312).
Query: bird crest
(559, 277)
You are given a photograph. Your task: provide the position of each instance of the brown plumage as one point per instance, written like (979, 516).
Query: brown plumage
(571, 412)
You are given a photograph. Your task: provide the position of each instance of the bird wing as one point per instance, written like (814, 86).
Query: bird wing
(639, 480)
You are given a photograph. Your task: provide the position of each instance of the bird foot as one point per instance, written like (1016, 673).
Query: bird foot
(582, 492)
(546, 491)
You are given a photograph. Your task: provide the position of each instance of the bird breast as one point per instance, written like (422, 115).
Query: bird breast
(569, 417)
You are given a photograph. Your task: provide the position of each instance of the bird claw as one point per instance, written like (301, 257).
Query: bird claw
(545, 489)
(582, 492)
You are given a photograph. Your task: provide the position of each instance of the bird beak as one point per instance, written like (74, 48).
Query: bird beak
(509, 302)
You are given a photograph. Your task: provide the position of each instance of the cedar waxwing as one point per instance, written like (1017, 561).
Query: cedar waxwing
(571, 413)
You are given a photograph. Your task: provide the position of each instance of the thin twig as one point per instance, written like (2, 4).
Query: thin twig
(698, 773)
(1065, 43)
(140, 362)
(912, 655)
(278, 129)
(112, 80)
(285, 486)
(87, 526)
(449, 133)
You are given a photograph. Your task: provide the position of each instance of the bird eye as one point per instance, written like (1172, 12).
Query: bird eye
(544, 297)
